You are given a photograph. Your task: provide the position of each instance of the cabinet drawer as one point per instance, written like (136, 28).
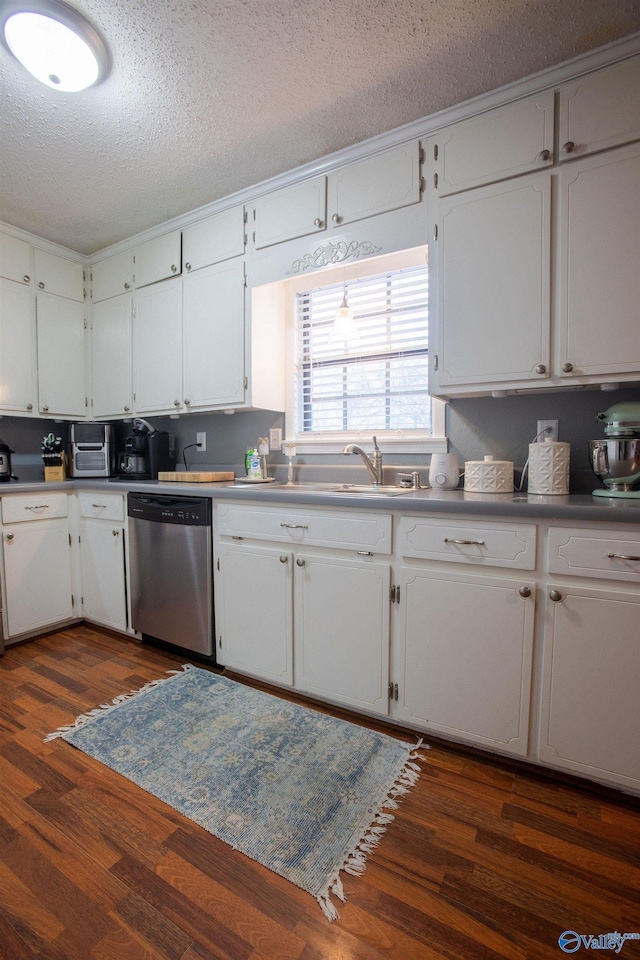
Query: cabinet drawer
(38, 506)
(101, 506)
(610, 554)
(348, 531)
(489, 544)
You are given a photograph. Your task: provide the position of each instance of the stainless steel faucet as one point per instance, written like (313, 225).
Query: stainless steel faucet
(373, 463)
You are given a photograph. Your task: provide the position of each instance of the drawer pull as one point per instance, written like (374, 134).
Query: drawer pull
(237, 538)
(300, 562)
(479, 543)
(39, 506)
(9, 537)
(622, 556)
(283, 558)
(99, 506)
(364, 553)
(525, 592)
(295, 526)
(555, 595)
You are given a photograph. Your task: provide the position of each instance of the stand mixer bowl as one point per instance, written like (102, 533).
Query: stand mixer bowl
(616, 463)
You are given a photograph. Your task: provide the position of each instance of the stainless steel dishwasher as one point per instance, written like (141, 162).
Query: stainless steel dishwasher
(170, 550)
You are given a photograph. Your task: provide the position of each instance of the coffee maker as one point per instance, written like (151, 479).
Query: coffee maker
(144, 453)
(5, 462)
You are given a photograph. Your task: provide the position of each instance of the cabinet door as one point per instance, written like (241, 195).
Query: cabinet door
(294, 211)
(18, 387)
(214, 336)
(599, 279)
(61, 357)
(102, 559)
(254, 612)
(385, 182)
(15, 259)
(494, 287)
(591, 708)
(600, 110)
(111, 277)
(214, 239)
(37, 563)
(464, 657)
(111, 358)
(341, 630)
(57, 275)
(158, 259)
(502, 143)
(157, 349)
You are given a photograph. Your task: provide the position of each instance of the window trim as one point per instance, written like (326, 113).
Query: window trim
(393, 441)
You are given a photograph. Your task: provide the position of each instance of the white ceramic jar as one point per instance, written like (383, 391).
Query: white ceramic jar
(549, 467)
(488, 476)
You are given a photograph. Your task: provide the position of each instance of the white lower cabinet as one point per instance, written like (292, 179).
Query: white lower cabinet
(590, 718)
(464, 649)
(102, 558)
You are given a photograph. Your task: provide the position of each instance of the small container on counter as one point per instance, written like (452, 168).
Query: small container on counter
(488, 476)
(549, 467)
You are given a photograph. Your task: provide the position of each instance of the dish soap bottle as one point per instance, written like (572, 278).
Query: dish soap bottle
(252, 464)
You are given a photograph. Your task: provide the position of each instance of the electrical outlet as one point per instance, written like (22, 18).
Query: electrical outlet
(547, 428)
(275, 438)
(201, 440)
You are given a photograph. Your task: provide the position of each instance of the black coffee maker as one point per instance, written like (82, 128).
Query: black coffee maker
(144, 453)
(5, 462)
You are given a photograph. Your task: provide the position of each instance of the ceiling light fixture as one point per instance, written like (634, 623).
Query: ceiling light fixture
(54, 42)
(344, 323)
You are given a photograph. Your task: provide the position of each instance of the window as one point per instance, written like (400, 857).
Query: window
(372, 377)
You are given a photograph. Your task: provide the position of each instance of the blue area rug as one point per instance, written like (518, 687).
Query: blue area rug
(302, 793)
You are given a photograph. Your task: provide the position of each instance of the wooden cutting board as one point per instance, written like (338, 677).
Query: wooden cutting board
(192, 476)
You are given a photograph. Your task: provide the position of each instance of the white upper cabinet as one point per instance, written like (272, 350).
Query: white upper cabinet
(57, 275)
(493, 312)
(600, 110)
(215, 239)
(111, 358)
(502, 143)
(18, 383)
(598, 272)
(291, 212)
(378, 184)
(158, 259)
(157, 349)
(61, 357)
(15, 259)
(112, 276)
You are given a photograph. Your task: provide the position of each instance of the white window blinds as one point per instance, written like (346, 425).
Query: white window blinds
(376, 378)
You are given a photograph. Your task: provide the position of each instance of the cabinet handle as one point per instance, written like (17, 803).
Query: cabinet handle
(38, 506)
(187, 266)
(283, 558)
(300, 562)
(540, 368)
(555, 595)
(318, 222)
(364, 553)
(126, 286)
(27, 278)
(567, 367)
(479, 543)
(623, 556)
(41, 285)
(525, 592)
(336, 218)
(569, 146)
(236, 537)
(295, 526)
(544, 155)
(45, 408)
(98, 506)
(9, 537)
(174, 269)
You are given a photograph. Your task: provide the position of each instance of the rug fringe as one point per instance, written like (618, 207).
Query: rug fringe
(355, 862)
(116, 702)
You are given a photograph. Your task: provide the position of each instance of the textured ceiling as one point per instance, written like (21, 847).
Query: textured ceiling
(206, 97)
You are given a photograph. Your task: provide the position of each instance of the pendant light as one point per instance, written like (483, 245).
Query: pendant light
(344, 323)
(54, 42)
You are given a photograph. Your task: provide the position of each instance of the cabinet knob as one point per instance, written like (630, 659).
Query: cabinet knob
(116, 533)
(555, 595)
(27, 278)
(567, 367)
(541, 368)
(45, 408)
(336, 218)
(525, 592)
(126, 286)
(300, 562)
(318, 222)
(29, 406)
(9, 537)
(174, 269)
(176, 403)
(187, 401)
(187, 266)
(283, 558)
(544, 155)
(41, 285)
(569, 146)
(127, 409)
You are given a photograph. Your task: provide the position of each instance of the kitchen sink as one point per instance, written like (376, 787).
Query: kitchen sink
(368, 490)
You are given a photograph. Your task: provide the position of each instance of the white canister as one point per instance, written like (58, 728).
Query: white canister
(549, 467)
(488, 476)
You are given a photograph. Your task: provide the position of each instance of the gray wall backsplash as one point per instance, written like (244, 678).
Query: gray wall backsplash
(501, 427)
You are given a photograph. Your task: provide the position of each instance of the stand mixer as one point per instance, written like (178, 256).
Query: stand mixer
(616, 460)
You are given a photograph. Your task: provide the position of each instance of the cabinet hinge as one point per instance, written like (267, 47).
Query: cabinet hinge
(79, 539)
(421, 184)
(70, 541)
(246, 236)
(218, 564)
(421, 155)
(220, 641)
(246, 216)
(253, 236)
(84, 293)
(435, 181)
(73, 600)
(393, 691)
(435, 361)
(246, 281)
(85, 324)
(394, 594)
(435, 231)
(245, 383)
(435, 151)
(86, 401)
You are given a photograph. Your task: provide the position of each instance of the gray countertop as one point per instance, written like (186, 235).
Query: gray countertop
(521, 506)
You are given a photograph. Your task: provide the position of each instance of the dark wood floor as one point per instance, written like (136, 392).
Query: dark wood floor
(485, 860)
